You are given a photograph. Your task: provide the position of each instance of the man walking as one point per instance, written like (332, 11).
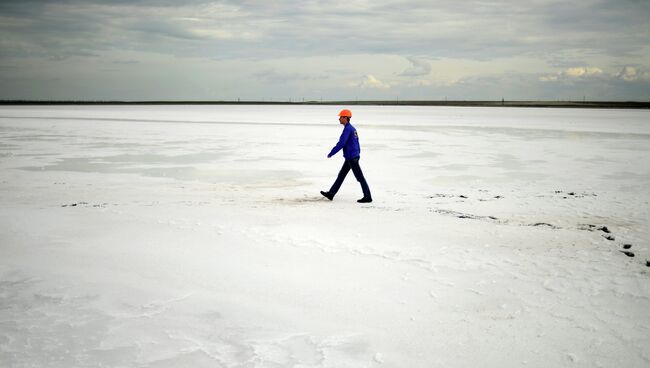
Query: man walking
(349, 142)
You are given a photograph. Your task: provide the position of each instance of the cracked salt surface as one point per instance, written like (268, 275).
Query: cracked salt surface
(149, 240)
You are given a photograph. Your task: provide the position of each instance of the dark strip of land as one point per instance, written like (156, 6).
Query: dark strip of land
(558, 104)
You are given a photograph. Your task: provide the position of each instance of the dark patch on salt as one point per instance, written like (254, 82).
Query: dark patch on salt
(84, 204)
(627, 246)
(588, 227)
(604, 229)
(439, 195)
(463, 215)
(627, 253)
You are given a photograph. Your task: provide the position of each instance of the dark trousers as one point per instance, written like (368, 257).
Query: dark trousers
(356, 169)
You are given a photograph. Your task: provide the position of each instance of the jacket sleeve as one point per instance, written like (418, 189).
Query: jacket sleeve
(344, 138)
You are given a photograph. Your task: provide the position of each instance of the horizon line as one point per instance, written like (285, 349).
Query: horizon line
(395, 102)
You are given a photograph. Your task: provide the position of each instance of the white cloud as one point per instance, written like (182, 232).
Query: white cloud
(627, 73)
(369, 81)
(630, 73)
(582, 72)
(548, 78)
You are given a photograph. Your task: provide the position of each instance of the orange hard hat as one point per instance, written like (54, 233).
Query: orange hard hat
(346, 112)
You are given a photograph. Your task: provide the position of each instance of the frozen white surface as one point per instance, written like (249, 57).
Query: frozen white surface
(172, 236)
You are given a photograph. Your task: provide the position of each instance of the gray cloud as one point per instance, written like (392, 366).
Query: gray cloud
(473, 29)
(564, 34)
(419, 67)
(274, 76)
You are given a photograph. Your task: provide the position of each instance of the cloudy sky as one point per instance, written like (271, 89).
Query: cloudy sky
(312, 50)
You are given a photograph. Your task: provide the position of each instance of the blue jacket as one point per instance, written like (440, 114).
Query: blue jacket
(349, 141)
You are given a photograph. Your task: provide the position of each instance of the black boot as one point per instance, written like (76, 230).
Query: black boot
(327, 195)
(365, 200)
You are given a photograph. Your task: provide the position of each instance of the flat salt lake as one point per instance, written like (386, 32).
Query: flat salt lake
(180, 235)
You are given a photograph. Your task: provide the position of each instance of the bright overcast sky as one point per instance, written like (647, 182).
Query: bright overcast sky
(312, 50)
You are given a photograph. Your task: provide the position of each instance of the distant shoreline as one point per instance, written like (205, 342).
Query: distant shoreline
(555, 104)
